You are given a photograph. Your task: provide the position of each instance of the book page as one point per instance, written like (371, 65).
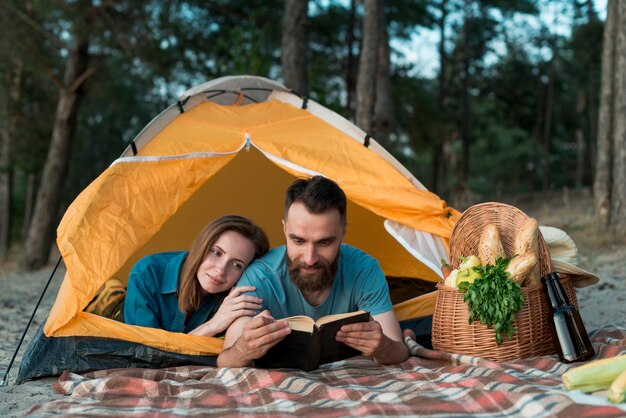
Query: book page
(301, 323)
(332, 318)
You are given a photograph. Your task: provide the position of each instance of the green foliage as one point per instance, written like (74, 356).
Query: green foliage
(502, 160)
(493, 299)
(145, 53)
(247, 37)
(333, 54)
(404, 16)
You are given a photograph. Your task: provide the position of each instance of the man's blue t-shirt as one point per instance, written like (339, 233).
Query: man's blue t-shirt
(359, 284)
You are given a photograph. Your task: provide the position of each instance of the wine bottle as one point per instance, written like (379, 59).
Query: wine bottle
(585, 348)
(571, 338)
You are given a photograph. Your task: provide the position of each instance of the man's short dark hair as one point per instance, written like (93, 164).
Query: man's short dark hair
(318, 194)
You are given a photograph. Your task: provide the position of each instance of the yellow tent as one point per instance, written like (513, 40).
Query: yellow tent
(233, 145)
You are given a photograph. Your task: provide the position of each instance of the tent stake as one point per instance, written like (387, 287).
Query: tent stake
(5, 379)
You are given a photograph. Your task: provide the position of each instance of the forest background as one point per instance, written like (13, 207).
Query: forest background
(518, 96)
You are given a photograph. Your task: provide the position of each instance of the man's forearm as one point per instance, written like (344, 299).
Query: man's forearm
(231, 357)
(392, 352)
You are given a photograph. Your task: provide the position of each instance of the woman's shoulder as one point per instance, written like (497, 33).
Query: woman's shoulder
(157, 261)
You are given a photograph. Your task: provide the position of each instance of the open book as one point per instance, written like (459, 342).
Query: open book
(312, 343)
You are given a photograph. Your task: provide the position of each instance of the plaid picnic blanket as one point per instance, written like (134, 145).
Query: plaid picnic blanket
(428, 383)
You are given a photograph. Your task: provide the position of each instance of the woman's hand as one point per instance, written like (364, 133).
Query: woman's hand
(234, 306)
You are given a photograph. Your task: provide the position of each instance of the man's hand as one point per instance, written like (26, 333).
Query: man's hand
(259, 335)
(253, 340)
(380, 338)
(367, 337)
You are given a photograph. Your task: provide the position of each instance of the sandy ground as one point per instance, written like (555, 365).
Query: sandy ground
(19, 293)
(602, 304)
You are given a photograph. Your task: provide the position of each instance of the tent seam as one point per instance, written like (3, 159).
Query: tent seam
(156, 158)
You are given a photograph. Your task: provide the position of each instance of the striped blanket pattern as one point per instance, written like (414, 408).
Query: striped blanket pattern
(428, 383)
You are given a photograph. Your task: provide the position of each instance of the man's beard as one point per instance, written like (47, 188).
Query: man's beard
(319, 280)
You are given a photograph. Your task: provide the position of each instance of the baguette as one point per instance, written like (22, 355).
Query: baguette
(490, 246)
(520, 267)
(527, 242)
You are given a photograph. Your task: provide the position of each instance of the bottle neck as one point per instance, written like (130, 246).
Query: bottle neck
(560, 290)
(554, 291)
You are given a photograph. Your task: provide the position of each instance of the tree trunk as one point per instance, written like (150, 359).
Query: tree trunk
(438, 162)
(592, 116)
(29, 200)
(580, 158)
(42, 226)
(465, 105)
(350, 71)
(6, 202)
(604, 148)
(618, 192)
(536, 133)
(384, 100)
(592, 106)
(547, 127)
(294, 46)
(368, 63)
(580, 142)
(7, 138)
(5, 184)
(6, 181)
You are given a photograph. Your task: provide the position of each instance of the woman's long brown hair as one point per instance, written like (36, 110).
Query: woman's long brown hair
(189, 290)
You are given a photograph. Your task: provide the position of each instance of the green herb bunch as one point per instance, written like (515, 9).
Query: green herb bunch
(493, 299)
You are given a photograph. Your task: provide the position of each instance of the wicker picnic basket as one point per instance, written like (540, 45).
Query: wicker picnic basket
(451, 331)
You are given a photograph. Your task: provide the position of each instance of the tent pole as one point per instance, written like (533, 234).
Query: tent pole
(5, 378)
